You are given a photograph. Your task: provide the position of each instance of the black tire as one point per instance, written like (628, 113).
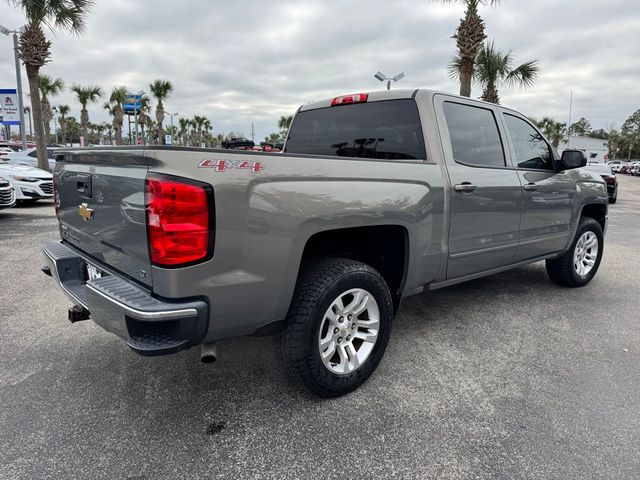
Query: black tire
(562, 271)
(317, 288)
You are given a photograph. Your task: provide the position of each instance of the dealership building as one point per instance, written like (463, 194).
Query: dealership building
(595, 149)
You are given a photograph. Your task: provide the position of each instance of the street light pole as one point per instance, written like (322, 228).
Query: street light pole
(135, 119)
(23, 132)
(27, 109)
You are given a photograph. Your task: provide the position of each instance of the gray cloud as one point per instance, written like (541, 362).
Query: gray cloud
(248, 61)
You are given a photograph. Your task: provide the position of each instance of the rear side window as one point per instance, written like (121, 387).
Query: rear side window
(388, 130)
(475, 139)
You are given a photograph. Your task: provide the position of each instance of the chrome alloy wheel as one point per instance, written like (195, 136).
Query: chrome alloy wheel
(585, 253)
(349, 331)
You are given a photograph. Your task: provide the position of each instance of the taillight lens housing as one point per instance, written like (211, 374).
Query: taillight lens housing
(180, 221)
(611, 179)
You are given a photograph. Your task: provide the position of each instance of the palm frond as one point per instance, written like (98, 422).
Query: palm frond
(453, 67)
(524, 75)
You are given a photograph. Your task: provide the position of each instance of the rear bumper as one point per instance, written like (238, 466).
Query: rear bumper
(151, 326)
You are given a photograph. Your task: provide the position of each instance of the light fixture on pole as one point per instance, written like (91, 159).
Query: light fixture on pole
(23, 133)
(383, 78)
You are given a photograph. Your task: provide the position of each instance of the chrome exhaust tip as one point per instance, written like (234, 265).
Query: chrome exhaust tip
(208, 352)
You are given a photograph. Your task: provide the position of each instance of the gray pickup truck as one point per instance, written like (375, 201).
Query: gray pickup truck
(376, 196)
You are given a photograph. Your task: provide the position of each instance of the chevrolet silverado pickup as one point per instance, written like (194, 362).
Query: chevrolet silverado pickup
(375, 197)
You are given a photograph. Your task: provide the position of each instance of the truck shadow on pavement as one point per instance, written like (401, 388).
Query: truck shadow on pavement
(178, 392)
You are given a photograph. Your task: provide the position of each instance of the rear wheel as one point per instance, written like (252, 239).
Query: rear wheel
(338, 326)
(580, 263)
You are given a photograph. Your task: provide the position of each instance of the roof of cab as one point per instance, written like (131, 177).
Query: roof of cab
(380, 95)
(374, 96)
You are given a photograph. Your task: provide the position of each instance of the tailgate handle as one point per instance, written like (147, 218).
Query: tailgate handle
(83, 184)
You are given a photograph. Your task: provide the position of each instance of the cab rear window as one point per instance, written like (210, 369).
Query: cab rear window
(387, 130)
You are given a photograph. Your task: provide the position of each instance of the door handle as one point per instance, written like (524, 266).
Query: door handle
(464, 187)
(530, 187)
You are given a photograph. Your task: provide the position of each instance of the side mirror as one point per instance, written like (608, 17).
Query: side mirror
(572, 159)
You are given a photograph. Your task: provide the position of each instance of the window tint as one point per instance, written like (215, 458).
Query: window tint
(532, 151)
(388, 130)
(474, 135)
(33, 154)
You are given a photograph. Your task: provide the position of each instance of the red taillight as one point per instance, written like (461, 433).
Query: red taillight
(178, 222)
(353, 98)
(611, 180)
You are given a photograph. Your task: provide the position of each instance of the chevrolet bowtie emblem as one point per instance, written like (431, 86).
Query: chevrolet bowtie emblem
(85, 212)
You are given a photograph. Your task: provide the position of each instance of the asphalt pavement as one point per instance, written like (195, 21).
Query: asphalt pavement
(506, 377)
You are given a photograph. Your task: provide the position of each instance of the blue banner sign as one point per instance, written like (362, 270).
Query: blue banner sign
(9, 110)
(132, 104)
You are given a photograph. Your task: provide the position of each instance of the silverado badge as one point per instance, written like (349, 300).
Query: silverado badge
(85, 212)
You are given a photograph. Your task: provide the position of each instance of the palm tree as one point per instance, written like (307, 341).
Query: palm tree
(554, 131)
(143, 118)
(48, 88)
(114, 107)
(184, 131)
(206, 131)
(284, 123)
(108, 127)
(99, 128)
(202, 125)
(160, 89)
(469, 37)
(63, 110)
(85, 95)
(494, 68)
(35, 50)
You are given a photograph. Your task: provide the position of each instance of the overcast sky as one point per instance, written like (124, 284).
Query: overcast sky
(250, 61)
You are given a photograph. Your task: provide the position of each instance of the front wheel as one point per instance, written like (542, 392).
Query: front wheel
(580, 263)
(338, 326)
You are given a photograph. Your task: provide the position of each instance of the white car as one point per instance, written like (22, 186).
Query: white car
(7, 196)
(615, 165)
(29, 157)
(5, 150)
(29, 183)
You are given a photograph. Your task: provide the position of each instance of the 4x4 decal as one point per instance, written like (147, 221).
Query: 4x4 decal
(224, 165)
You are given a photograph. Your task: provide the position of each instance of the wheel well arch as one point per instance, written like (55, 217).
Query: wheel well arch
(597, 211)
(383, 247)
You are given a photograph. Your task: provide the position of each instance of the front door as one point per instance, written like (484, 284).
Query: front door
(548, 196)
(486, 194)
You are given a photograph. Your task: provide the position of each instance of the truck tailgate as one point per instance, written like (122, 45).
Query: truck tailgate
(101, 208)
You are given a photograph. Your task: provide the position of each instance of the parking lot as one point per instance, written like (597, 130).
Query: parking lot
(505, 377)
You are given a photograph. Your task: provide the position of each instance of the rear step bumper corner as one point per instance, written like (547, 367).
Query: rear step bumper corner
(150, 326)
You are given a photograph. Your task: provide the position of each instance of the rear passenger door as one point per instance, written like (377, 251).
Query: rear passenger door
(548, 196)
(486, 194)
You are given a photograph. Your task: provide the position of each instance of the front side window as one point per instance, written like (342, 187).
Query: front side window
(474, 135)
(388, 130)
(532, 151)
